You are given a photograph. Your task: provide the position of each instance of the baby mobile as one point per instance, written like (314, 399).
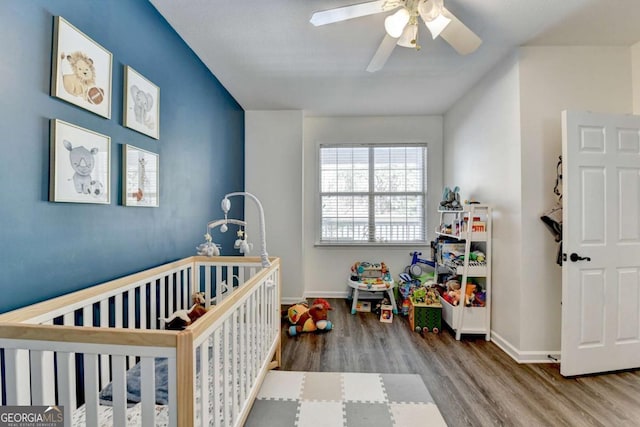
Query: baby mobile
(210, 248)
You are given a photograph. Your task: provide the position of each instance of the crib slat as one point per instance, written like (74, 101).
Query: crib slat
(234, 361)
(170, 294)
(91, 389)
(252, 345)
(206, 281)
(118, 314)
(119, 391)
(147, 392)
(153, 320)
(17, 376)
(225, 375)
(205, 417)
(66, 382)
(131, 320)
(173, 387)
(216, 375)
(42, 378)
(221, 289)
(243, 352)
(143, 307)
(87, 315)
(240, 276)
(164, 312)
(104, 359)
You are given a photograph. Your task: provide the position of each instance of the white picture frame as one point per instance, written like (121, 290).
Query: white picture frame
(141, 177)
(81, 69)
(141, 104)
(80, 164)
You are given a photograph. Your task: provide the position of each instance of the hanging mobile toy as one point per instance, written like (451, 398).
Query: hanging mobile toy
(241, 243)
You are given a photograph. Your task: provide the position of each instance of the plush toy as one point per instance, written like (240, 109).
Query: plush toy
(451, 199)
(183, 318)
(311, 320)
(208, 248)
(453, 296)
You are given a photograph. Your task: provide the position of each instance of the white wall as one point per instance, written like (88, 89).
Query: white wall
(326, 269)
(635, 76)
(509, 127)
(482, 157)
(553, 79)
(273, 172)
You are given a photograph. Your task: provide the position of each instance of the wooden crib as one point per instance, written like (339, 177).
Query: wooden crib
(68, 351)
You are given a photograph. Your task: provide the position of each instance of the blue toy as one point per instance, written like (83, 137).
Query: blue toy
(415, 269)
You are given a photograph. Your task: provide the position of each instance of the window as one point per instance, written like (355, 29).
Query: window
(373, 193)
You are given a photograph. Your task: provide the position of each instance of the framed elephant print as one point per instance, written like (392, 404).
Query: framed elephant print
(141, 104)
(141, 177)
(81, 69)
(80, 165)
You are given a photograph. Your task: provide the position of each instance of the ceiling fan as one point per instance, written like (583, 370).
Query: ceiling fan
(402, 26)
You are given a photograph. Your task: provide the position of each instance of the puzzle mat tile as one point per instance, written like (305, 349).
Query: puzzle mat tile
(333, 399)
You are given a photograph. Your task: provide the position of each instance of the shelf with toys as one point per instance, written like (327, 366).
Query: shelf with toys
(463, 248)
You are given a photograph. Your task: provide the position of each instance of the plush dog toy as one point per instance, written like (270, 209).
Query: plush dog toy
(309, 319)
(183, 318)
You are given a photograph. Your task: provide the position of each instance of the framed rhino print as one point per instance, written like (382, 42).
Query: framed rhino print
(80, 164)
(141, 104)
(141, 178)
(81, 69)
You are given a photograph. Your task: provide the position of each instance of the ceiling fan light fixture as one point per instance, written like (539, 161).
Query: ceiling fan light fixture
(437, 25)
(430, 9)
(409, 37)
(394, 24)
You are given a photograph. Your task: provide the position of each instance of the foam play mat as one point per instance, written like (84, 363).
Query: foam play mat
(333, 399)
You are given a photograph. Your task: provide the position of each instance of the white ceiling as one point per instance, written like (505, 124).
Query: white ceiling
(269, 57)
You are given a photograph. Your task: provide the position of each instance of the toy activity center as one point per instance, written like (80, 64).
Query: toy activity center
(194, 197)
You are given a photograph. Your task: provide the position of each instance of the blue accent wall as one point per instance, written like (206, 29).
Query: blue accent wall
(49, 249)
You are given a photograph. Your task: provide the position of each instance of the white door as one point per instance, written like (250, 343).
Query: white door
(601, 223)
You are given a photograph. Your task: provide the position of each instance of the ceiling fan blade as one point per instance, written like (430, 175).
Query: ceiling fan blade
(382, 54)
(353, 11)
(459, 36)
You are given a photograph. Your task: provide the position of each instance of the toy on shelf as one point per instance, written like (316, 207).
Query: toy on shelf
(451, 199)
(309, 319)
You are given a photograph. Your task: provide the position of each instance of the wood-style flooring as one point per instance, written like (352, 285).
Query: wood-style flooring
(473, 382)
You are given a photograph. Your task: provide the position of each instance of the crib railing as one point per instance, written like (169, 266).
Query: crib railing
(63, 351)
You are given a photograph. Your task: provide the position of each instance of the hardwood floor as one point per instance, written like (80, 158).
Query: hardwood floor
(473, 382)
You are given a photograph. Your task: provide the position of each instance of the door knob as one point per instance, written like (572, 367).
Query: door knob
(575, 257)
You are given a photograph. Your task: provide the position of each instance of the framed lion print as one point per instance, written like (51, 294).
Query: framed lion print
(141, 104)
(81, 69)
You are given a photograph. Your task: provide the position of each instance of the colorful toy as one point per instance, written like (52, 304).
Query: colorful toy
(370, 273)
(415, 269)
(183, 318)
(312, 319)
(451, 199)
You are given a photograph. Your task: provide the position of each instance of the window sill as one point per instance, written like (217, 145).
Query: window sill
(370, 244)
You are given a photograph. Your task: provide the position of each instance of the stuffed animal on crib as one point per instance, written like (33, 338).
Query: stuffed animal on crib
(310, 320)
(183, 318)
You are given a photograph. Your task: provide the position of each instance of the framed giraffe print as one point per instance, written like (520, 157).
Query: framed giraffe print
(141, 177)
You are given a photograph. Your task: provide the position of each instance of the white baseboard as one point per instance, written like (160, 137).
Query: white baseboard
(326, 294)
(552, 356)
(312, 295)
